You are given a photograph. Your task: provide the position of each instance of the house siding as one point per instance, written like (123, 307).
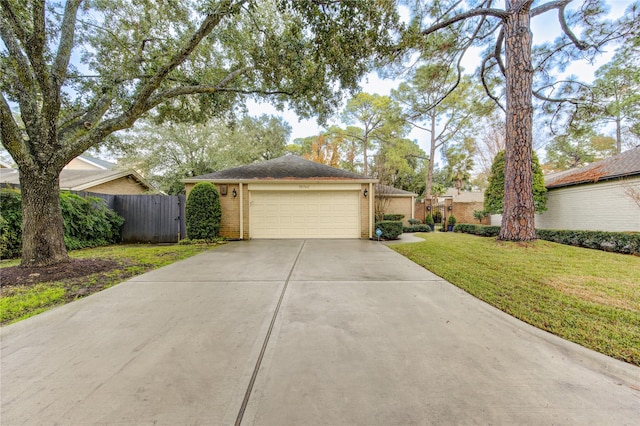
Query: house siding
(601, 206)
(121, 186)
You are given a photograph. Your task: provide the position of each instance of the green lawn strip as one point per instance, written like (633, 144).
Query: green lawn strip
(586, 296)
(21, 302)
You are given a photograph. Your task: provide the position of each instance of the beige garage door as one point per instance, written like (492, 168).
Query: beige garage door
(304, 214)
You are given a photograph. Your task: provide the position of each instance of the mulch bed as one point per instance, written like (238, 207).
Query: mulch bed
(75, 268)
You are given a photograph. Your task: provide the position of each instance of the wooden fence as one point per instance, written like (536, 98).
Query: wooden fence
(148, 218)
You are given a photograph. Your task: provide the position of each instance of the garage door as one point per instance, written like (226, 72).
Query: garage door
(304, 214)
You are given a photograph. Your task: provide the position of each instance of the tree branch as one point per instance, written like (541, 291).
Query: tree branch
(67, 32)
(24, 80)
(211, 21)
(483, 69)
(462, 16)
(565, 28)
(10, 132)
(548, 6)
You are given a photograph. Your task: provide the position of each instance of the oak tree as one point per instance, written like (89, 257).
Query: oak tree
(78, 71)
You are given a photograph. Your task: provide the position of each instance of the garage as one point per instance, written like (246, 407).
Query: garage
(304, 214)
(291, 197)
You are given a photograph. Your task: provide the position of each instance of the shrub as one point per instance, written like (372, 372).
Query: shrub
(392, 217)
(481, 230)
(417, 228)
(391, 229)
(618, 242)
(451, 220)
(429, 220)
(10, 223)
(480, 214)
(203, 212)
(414, 221)
(87, 222)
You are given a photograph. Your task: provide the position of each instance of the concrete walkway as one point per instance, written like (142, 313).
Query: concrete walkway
(313, 332)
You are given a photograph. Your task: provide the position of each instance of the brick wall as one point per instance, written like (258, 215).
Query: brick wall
(463, 213)
(400, 205)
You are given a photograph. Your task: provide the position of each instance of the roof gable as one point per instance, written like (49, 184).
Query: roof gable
(288, 167)
(80, 180)
(621, 165)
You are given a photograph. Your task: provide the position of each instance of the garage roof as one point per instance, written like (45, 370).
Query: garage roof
(288, 167)
(621, 165)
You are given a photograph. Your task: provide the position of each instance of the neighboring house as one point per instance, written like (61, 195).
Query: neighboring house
(595, 197)
(87, 162)
(290, 197)
(392, 200)
(114, 182)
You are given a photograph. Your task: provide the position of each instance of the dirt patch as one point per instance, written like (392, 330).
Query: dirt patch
(75, 268)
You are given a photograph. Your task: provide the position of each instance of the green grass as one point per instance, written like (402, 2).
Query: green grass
(586, 296)
(22, 301)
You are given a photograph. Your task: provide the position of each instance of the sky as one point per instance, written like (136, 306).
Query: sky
(544, 27)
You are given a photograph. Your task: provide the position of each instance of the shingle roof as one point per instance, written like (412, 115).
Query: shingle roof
(621, 165)
(78, 180)
(392, 191)
(287, 167)
(104, 164)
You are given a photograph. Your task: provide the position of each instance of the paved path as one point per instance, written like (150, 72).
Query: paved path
(300, 333)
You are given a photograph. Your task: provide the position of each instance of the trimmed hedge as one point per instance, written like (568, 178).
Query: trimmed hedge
(87, 222)
(414, 221)
(482, 230)
(203, 212)
(417, 228)
(392, 217)
(391, 229)
(617, 242)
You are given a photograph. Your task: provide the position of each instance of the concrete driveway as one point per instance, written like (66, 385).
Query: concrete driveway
(314, 332)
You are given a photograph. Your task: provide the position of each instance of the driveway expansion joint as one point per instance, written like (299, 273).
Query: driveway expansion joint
(256, 369)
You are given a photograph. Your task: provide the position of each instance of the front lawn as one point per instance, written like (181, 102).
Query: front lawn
(586, 296)
(27, 292)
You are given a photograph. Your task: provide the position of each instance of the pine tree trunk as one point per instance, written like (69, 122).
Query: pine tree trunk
(518, 221)
(43, 232)
(432, 154)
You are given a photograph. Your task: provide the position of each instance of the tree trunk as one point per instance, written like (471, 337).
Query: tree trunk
(43, 232)
(518, 221)
(432, 153)
(618, 135)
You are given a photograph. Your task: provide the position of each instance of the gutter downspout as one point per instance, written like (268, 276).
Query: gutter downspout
(241, 212)
(371, 197)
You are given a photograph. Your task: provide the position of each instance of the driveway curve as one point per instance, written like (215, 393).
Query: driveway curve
(293, 332)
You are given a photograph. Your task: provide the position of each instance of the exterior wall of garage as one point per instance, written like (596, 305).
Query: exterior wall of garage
(400, 205)
(230, 221)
